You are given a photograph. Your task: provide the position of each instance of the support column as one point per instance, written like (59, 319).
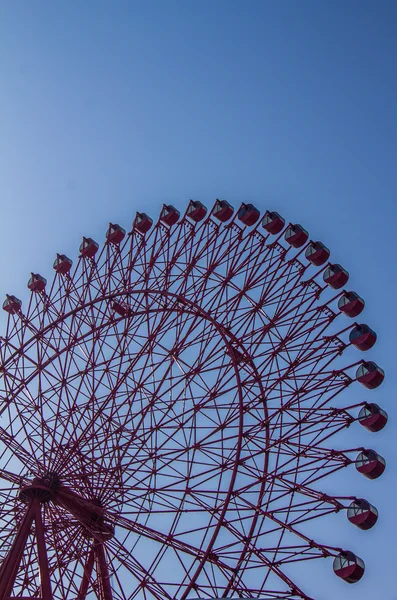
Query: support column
(45, 583)
(103, 572)
(86, 575)
(9, 568)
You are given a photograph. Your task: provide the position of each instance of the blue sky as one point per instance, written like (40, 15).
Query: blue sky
(111, 107)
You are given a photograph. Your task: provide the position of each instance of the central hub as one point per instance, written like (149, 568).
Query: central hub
(42, 488)
(95, 524)
(89, 512)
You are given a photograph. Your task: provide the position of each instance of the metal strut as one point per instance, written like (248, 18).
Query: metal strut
(10, 566)
(97, 555)
(103, 572)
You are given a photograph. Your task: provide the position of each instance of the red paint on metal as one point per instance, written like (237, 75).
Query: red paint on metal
(223, 211)
(349, 567)
(87, 575)
(45, 583)
(273, 222)
(9, 568)
(296, 236)
(37, 283)
(362, 337)
(142, 223)
(196, 211)
(370, 375)
(186, 377)
(372, 417)
(248, 214)
(103, 572)
(88, 247)
(362, 514)
(115, 234)
(370, 464)
(317, 253)
(335, 276)
(351, 304)
(169, 215)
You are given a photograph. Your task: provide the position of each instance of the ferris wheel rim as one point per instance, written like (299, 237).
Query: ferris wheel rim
(230, 342)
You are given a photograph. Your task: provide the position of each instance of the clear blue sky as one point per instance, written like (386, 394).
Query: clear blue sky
(111, 107)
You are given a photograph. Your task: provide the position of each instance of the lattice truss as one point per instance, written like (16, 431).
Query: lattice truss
(187, 381)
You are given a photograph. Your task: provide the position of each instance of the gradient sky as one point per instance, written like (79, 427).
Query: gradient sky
(111, 107)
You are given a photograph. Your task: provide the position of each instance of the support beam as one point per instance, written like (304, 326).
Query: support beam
(86, 576)
(45, 583)
(9, 568)
(103, 572)
(89, 513)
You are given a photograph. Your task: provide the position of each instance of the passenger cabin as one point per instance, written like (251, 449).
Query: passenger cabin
(37, 283)
(196, 211)
(62, 264)
(349, 567)
(223, 211)
(12, 305)
(351, 304)
(362, 337)
(248, 214)
(142, 223)
(169, 215)
(115, 234)
(317, 253)
(362, 514)
(370, 375)
(296, 236)
(370, 464)
(88, 247)
(372, 417)
(335, 276)
(273, 222)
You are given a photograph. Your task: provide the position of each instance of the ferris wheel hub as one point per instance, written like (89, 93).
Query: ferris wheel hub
(180, 380)
(42, 488)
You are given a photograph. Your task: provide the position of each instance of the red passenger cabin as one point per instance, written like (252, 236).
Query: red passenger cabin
(362, 337)
(335, 276)
(349, 567)
(372, 417)
(37, 283)
(370, 375)
(296, 236)
(273, 222)
(142, 223)
(196, 211)
(62, 264)
(223, 211)
(169, 215)
(115, 234)
(317, 253)
(370, 464)
(88, 247)
(12, 305)
(362, 514)
(248, 214)
(351, 304)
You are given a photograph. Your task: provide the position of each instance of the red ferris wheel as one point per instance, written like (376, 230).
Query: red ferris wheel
(168, 409)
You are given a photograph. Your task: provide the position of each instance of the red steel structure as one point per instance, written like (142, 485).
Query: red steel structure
(168, 408)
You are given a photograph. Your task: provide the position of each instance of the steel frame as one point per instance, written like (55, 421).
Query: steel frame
(189, 435)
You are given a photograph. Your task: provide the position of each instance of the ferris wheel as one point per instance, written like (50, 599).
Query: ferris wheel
(168, 410)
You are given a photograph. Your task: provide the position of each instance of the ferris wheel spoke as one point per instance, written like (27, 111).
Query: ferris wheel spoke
(26, 458)
(11, 477)
(184, 385)
(143, 578)
(186, 553)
